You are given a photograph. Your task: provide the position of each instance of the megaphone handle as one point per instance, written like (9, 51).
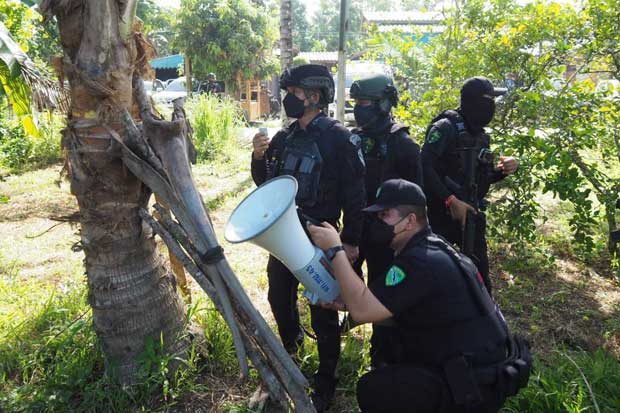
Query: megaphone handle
(308, 218)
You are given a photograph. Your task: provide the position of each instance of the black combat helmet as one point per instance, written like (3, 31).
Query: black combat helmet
(376, 88)
(310, 77)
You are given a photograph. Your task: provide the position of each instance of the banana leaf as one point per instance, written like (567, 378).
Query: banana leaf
(25, 86)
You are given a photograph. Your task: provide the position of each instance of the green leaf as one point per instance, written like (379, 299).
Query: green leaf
(16, 89)
(9, 51)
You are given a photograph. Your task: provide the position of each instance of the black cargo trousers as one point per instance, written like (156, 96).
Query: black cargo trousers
(407, 388)
(378, 261)
(282, 297)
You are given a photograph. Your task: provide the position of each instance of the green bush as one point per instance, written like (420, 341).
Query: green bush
(46, 149)
(19, 152)
(15, 148)
(216, 122)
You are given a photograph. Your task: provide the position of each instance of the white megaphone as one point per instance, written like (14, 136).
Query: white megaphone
(268, 218)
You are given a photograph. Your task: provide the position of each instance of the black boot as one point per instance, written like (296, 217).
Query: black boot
(324, 390)
(295, 348)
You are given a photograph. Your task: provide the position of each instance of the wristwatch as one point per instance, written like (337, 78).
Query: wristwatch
(331, 253)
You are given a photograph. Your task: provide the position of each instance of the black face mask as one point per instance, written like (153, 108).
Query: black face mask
(380, 233)
(478, 112)
(293, 106)
(370, 118)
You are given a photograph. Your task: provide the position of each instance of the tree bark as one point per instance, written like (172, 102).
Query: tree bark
(286, 34)
(132, 292)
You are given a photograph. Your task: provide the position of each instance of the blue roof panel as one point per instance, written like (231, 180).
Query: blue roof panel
(167, 62)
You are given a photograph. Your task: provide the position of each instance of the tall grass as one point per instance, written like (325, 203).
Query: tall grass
(216, 122)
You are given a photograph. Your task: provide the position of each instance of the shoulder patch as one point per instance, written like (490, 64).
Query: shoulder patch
(355, 140)
(367, 144)
(433, 136)
(394, 276)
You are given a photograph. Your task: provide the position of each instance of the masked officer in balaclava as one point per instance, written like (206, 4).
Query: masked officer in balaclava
(389, 152)
(459, 169)
(326, 160)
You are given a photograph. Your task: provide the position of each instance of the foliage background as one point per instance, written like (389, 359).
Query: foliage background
(563, 130)
(232, 38)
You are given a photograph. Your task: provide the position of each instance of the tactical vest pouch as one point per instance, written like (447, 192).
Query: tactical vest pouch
(460, 379)
(303, 161)
(512, 374)
(515, 371)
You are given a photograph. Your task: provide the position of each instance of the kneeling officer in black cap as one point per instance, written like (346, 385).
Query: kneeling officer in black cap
(457, 353)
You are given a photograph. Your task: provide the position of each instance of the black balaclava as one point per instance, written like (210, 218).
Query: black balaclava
(478, 111)
(371, 119)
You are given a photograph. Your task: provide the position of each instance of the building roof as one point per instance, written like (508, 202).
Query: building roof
(320, 57)
(404, 18)
(168, 62)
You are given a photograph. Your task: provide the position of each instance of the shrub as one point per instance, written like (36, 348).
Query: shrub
(46, 149)
(15, 148)
(216, 122)
(19, 152)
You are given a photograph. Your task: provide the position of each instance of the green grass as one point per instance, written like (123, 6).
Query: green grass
(50, 360)
(571, 382)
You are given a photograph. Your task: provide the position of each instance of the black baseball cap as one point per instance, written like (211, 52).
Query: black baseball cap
(395, 192)
(479, 86)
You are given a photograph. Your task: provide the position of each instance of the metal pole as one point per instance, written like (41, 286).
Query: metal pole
(342, 59)
(188, 76)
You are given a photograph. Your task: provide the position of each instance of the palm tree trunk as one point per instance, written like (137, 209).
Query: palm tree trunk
(286, 34)
(132, 292)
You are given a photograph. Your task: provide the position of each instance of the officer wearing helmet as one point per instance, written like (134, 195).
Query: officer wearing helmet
(389, 152)
(459, 169)
(326, 160)
(212, 86)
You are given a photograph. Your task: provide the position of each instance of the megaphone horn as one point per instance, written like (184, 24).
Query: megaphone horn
(268, 218)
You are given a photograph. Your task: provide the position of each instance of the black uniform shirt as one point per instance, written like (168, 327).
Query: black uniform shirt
(440, 158)
(424, 288)
(342, 175)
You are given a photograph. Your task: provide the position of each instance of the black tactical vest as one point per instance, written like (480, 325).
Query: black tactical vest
(482, 338)
(301, 158)
(466, 143)
(380, 158)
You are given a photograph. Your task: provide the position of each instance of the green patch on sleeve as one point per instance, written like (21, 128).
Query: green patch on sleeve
(433, 137)
(394, 276)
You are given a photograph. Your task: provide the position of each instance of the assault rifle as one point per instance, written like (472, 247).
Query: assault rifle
(469, 232)
(468, 192)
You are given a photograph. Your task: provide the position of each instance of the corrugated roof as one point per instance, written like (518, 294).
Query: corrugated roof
(404, 17)
(328, 57)
(411, 28)
(168, 62)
